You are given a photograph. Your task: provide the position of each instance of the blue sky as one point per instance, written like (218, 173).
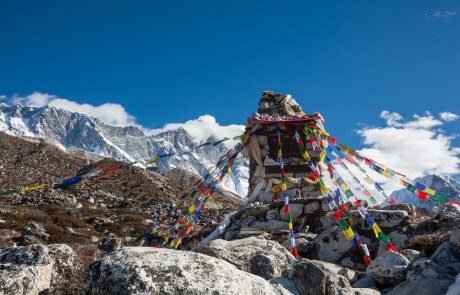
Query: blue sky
(172, 61)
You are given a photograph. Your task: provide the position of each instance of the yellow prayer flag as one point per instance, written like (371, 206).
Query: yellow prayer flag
(152, 160)
(344, 187)
(403, 183)
(323, 189)
(430, 191)
(349, 233)
(335, 183)
(279, 153)
(377, 229)
(306, 155)
(192, 209)
(31, 188)
(322, 155)
(385, 173)
(369, 180)
(177, 243)
(290, 225)
(283, 187)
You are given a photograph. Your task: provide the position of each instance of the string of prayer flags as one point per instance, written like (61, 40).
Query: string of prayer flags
(366, 216)
(421, 191)
(285, 196)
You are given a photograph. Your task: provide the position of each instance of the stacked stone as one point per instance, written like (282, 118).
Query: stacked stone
(279, 106)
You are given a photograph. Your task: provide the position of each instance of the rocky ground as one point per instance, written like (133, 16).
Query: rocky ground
(81, 240)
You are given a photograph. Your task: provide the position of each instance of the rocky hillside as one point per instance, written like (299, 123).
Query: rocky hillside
(75, 131)
(122, 203)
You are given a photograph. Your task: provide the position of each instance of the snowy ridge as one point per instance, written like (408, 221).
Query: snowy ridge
(70, 130)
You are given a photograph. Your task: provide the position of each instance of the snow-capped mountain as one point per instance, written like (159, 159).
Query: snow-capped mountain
(444, 185)
(70, 130)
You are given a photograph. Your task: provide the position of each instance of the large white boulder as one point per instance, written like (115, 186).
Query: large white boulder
(390, 268)
(164, 271)
(256, 255)
(331, 244)
(32, 269)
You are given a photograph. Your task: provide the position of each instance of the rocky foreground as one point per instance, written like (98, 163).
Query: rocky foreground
(250, 262)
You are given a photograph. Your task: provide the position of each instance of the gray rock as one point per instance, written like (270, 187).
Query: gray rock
(33, 269)
(454, 289)
(384, 218)
(284, 286)
(366, 282)
(429, 269)
(295, 209)
(398, 239)
(312, 207)
(449, 211)
(110, 243)
(444, 254)
(411, 254)
(409, 208)
(251, 254)
(35, 229)
(455, 238)
(164, 271)
(390, 268)
(331, 244)
(347, 262)
(422, 287)
(315, 277)
(272, 214)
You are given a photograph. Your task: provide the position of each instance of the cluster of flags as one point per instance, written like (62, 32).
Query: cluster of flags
(421, 191)
(204, 189)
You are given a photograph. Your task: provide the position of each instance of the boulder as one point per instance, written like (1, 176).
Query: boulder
(449, 211)
(35, 268)
(411, 254)
(295, 209)
(312, 207)
(331, 244)
(455, 238)
(256, 255)
(314, 277)
(422, 287)
(398, 239)
(164, 271)
(110, 243)
(409, 208)
(428, 269)
(36, 230)
(454, 289)
(284, 286)
(384, 218)
(365, 282)
(388, 269)
(444, 254)
(272, 214)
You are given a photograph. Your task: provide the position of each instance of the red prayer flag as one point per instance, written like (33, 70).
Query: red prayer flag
(421, 194)
(294, 252)
(367, 260)
(391, 248)
(344, 207)
(111, 169)
(367, 161)
(331, 140)
(338, 214)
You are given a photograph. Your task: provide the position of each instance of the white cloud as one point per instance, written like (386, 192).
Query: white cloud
(443, 15)
(109, 113)
(448, 116)
(415, 147)
(203, 128)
